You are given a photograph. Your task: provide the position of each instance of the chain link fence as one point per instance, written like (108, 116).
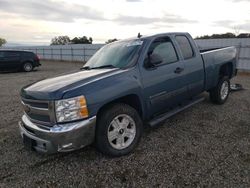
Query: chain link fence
(76, 52)
(82, 52)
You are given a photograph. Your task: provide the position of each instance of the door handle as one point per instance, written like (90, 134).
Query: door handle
(178, 70)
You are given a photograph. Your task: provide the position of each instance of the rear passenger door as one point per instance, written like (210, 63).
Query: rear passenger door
(12, 59)
(1, 60)
(193, 64)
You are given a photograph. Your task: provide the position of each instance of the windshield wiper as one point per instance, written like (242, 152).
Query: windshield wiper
(100, 67)
(104, 66)
(85, 68)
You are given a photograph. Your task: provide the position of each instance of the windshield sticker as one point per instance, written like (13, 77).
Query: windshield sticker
(135, 43)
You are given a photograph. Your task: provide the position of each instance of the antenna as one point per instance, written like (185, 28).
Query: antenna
(139, 35)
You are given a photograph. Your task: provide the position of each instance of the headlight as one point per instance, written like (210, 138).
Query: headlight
(71, 109)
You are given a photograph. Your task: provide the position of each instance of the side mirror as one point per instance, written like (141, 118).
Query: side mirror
(155, 59)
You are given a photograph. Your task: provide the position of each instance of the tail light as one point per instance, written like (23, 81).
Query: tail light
(37, 57)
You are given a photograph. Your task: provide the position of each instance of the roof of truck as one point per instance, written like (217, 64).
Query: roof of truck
(168, 33)
(158, 35)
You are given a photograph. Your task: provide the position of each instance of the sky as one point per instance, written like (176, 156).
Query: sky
(37, 21)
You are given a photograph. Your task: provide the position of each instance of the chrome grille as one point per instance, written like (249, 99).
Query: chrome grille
(38, 111)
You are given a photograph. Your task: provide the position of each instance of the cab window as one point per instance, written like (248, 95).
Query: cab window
(185, 47)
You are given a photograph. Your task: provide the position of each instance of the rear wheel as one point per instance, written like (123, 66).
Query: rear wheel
(27, 67)
(220, 93)
(119, 129)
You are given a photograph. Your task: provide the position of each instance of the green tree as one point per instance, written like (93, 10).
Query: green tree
(90, 40)
(60, 40)
(218, 36)
(111, 40)
(225, 36)
(82, 40)
(2, 41)
(244, 35)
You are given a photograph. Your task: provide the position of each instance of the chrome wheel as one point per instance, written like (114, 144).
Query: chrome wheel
(224, 90)
(121, 131)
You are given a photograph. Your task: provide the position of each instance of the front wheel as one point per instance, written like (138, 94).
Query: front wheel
(220, 93)
(119, 129)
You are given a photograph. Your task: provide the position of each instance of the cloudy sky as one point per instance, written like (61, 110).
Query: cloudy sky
(37, 21)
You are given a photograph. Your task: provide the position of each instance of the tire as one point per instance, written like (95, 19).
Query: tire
(220, 93)
(119, 129)
(28, 67)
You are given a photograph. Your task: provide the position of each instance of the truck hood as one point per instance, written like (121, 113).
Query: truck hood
(54, 88)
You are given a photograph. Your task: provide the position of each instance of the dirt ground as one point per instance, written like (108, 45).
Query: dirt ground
(205, 145)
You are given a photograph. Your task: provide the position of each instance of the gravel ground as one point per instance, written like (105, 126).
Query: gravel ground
(205, 145)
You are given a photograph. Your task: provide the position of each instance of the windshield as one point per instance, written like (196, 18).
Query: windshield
(115, 55)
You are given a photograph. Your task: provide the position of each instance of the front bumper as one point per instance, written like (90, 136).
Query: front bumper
(59, 138)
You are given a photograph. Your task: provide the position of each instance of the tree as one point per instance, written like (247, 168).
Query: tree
(218, 36)
(236, 30)
(225, 36)
(2, 41)
(244, 35)
(90, 40)
(60, 40)
(111, 40)
(82, 40)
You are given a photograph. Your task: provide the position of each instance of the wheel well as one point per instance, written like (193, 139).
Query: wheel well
(27, 61)
(226, 70)
(131, 100)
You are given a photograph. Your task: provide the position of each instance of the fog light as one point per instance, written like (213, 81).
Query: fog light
(65, 146)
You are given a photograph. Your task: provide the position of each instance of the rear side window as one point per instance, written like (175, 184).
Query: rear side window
(28, 54)
(1, 54)
(12, 54)
(164, 48)
(185, 47)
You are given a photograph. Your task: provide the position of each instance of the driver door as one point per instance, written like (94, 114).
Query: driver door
(164, 85)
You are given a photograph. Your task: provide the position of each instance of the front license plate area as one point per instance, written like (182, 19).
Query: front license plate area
(28, 142)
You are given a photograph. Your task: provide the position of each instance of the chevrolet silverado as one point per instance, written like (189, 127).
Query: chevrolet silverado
(125, 86)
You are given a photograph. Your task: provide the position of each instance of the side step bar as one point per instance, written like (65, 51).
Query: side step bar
(176, 110)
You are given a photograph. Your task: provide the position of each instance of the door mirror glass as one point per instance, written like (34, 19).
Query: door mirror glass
(155, 59)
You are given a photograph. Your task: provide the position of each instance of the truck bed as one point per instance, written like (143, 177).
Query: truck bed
(213, 59)
(210, 49)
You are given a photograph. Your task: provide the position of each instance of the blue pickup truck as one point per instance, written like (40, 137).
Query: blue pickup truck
(125, 86)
